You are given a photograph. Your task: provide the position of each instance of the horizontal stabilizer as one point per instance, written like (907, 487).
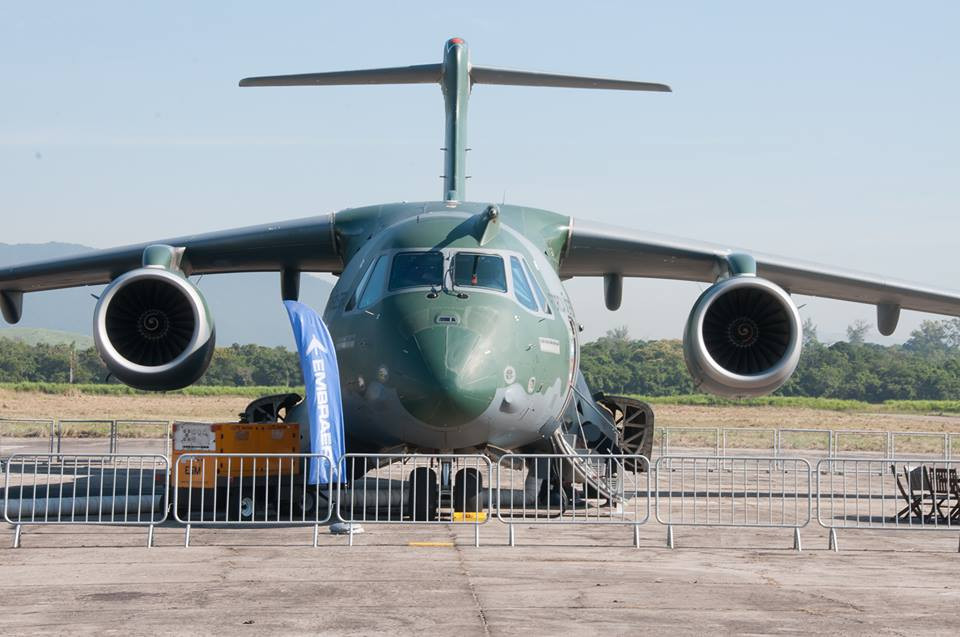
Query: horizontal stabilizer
(456, 77)
(487, 75)
(419, 74)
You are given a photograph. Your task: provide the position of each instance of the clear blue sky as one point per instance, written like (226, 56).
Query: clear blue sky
(822, 130)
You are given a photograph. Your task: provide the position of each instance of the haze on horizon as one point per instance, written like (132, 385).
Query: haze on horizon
(821, 131)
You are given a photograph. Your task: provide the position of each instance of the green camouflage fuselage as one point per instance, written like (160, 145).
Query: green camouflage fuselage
(452, 366)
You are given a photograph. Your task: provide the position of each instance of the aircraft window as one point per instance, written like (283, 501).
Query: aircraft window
(479, 270)
(521, 287)
(413, 269)
(374, 286)
(536, 288)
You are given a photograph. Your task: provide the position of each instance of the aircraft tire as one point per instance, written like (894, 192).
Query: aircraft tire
(424, 494)
(467, 490)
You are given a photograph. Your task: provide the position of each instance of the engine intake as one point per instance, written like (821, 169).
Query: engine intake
(153, 330)
(743, 338)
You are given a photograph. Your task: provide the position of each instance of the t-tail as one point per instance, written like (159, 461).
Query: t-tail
(456, 76)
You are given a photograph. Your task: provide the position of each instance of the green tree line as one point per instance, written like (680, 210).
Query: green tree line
(234, 366)
(926, 366)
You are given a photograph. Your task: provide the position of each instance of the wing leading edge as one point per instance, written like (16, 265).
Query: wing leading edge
(300, 245)
(600, 250)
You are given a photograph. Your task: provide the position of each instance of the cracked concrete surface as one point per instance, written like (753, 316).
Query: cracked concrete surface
(89, 580)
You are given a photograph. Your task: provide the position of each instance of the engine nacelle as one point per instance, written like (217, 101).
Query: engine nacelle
(153, 329)
(743, 338)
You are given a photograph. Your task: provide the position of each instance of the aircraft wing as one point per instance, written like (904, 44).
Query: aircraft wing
(298, 245)
(598, 250)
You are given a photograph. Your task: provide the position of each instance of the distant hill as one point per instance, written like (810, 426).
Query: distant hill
(37, 335)
(246, 307)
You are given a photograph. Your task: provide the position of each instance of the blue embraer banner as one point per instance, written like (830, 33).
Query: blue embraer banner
(318, 360)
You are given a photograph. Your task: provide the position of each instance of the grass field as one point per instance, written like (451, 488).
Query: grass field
(828, 404)
(748, 422)
(822, 404)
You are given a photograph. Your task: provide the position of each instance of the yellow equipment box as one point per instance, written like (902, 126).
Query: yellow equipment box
(238, 438)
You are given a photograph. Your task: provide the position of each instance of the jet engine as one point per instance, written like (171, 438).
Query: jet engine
(743, 338)
(153, 329)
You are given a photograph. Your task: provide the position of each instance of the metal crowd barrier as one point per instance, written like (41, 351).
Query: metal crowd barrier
(250, 489)
(750, 439)
(936, 439)
(893, 494)
(165, 439)
(759, 492)
(916, 494)
(112, 428)
(45, 423)
(881, 444)
(113, 489)
(667, 437)
(789, 441)
(109, 425)
(415, 488)
(792, 440)
(582, 489)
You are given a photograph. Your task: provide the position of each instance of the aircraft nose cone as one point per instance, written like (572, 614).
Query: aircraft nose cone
(450, 381)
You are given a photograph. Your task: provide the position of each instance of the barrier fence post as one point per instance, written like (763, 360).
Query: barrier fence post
(16, 536)
(511, 537)
(636, 536)
(796, 540)
(832, 546)
(150, 537)
(670, 537)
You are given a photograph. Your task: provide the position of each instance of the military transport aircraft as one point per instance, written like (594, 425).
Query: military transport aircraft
(450, 320)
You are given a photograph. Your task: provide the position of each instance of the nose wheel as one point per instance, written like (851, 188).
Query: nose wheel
(467, 487)
(424, 494)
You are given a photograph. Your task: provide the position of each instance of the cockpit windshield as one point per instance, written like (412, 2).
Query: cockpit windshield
(449, 272)
(479, 270)
(413, 269)
(521, 288)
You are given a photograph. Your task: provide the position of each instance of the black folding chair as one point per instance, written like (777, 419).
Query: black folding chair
(914, 502)
(941, 491)
(955, 491)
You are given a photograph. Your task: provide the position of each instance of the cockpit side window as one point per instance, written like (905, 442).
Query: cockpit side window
(375, 285)
(479, 270)
(414, 269)
(536, 288)
(521, 287)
